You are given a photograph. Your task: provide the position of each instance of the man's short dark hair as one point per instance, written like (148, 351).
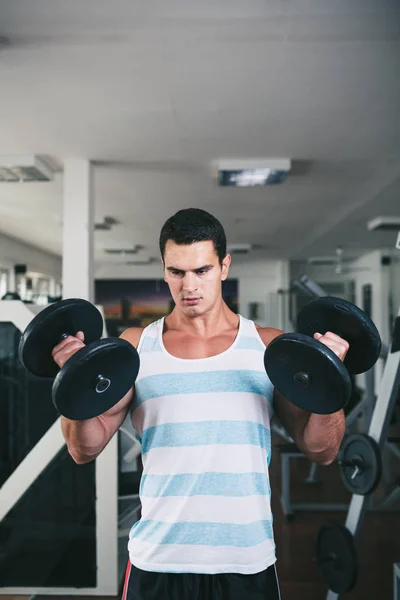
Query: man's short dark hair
(192, 225)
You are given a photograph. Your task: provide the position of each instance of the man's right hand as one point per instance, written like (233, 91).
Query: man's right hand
(65, 349)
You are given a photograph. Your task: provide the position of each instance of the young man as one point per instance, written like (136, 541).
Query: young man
(202, 407)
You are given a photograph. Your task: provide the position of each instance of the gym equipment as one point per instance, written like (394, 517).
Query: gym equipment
(337, 558)
(307, 372)
(96, 377)
(348, 322)
(389, 390)
(50, 326)
(360, 464)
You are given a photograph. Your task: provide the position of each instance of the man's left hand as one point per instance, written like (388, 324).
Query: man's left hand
(337, 344)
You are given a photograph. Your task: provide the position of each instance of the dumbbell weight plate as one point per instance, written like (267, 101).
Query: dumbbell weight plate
(347, 321)
(78, 392)
(45, 330)
(365, 450)
(291, 357)
(337, 558)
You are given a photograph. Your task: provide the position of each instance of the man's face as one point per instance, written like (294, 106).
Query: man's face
(194, 276)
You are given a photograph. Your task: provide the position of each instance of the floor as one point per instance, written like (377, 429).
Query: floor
(378, 545)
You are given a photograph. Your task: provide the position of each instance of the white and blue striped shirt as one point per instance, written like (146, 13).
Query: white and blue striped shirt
(204, 426)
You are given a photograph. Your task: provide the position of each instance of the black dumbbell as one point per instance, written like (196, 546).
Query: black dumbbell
(93, 379)
(307, 372)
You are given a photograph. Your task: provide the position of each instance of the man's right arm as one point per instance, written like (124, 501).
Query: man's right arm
(87, 439)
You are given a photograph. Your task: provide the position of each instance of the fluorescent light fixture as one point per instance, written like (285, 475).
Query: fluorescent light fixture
(136, 248)
(145, 261)
(238, 248)
(25, 168)
(322, 260)
(384, 224)
(252, 173)
(106, 225)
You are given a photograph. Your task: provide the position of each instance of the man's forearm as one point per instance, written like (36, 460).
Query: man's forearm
(84, 439)
(322, 436)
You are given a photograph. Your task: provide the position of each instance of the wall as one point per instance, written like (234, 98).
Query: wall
(258, 278)
(13, 251)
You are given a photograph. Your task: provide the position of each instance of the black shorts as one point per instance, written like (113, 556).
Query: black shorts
(145, 585)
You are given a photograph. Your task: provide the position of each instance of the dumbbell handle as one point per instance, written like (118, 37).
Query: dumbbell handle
(356, 463)
(102, 383)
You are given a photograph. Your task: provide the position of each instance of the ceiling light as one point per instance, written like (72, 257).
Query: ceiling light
(21, 169)
(144, 261)
(252, 173)
(123, 251)
(239, 248)
(106, 225)
(384, 224)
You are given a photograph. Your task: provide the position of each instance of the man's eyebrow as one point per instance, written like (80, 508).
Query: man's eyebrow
(182, 271)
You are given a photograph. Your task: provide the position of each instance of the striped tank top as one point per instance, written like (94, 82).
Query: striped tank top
(204, 426)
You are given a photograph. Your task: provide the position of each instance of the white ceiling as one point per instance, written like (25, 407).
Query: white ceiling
(153, 92)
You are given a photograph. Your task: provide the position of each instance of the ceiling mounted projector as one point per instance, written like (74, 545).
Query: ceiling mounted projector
(21, 169)
(252, 173)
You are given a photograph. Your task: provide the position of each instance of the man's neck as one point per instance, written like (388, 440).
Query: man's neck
(207, 325)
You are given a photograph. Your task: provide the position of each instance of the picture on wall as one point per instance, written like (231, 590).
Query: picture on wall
(139, 302)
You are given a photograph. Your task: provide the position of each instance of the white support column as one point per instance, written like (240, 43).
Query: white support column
(12, 285)
(52, 287)
(78, 230)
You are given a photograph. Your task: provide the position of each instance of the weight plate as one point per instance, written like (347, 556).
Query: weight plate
(45, 330)
(347, 321)
(364, 452)
(307, 373)
(74, 388)
(337, 558)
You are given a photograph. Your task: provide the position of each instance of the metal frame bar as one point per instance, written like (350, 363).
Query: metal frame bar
(396, 581)
(106, 504)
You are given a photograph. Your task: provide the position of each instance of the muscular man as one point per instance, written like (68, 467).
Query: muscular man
(202, 406)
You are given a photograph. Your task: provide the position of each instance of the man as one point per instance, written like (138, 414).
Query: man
(202, 406)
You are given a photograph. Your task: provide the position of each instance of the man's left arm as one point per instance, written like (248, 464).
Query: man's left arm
(318, 436)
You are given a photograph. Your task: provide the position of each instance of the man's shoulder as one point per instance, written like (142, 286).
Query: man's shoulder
(267, 334)
(132, 335)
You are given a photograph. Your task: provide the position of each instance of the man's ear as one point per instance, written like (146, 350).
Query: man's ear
(226, 263)
(163, 267)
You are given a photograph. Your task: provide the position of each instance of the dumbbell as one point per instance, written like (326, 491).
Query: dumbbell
(93, 379)
(308, 373)
(360, 463)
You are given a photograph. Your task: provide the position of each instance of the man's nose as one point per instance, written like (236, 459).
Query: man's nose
(189, 282)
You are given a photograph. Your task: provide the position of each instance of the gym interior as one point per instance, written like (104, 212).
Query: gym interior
(282, 120)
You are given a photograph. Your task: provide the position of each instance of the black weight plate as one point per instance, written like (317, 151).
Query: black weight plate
(329, 386)
(337, 558)
(347, 321)
(365, 450)
(74, 388)
(46, 328)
